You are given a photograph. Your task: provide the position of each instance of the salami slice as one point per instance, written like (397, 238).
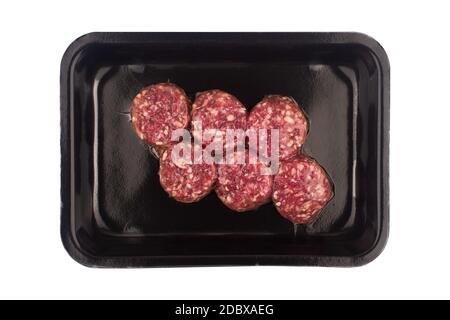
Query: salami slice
(243, 187)
(217, 111)
(184, 180)
(157, 110)
(301, 189)
(282, 113)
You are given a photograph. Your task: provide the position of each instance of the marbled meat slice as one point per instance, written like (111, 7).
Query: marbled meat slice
(301, 189)
(217, 111)
(184, 181)
(242, 186)
(282, 113)
(157, 111)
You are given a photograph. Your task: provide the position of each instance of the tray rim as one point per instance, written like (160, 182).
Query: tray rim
(78, 254)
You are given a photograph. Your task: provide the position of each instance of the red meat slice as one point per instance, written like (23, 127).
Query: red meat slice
(282, 113)
(301, 189)
(242, 187)
(184, 181)
(217, 111)
(157, 111)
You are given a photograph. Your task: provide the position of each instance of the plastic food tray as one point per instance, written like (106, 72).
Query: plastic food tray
(114, 212)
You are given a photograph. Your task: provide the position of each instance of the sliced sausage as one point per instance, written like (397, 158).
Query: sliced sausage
(184, 179)
(157, 111)
(282, 113)
(242, 186)
(301, 189)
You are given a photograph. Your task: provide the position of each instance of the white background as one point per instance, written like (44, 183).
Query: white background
(34, 35)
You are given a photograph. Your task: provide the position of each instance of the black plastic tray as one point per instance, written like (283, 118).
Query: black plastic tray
(114, 212)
